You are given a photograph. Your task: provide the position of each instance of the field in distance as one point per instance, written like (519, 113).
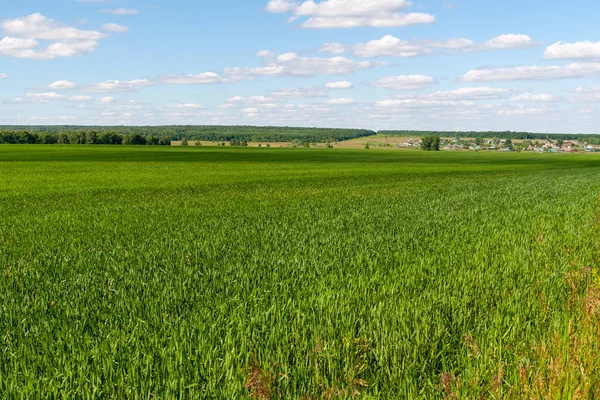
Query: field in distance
(224, 272)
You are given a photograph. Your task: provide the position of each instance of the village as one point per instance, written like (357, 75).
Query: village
(507, 145)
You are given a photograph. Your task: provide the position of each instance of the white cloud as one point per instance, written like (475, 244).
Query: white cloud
(280, 6)
(193, 79)
(61, 85)
(265, 54)
(508, 41)
(251, 100)
(341, 101)
(348, 8)
(587, 89)
(287, 57)
(383, 20)
(120, 11)
(25, 32)
(530, 97)
(299, 93)
(471, 93)
(405, 82)
(521, 111)
(107, 100)
(118, 86)
(574, 70)
(112, 27)
(339, 85)
(38, 98)
(37, 26)
(420, 103)
(577, 50)
(186, 106)
(79, 99)
(350, 13)
(3, 75)
(391, 46)
(290, 64)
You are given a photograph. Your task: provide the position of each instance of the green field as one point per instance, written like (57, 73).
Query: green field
(157, 272)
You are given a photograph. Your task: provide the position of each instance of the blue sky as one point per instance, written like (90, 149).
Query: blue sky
(376, 64)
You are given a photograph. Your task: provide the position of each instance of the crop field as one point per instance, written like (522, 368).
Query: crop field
(268, 273)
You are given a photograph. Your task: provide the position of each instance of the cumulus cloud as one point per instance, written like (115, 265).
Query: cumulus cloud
(471, 93)
(299, 93)
(193, 79)
(116, 28)
(281, 6)
(521, 112)
(405, 82)
(508, 41)
(350, 13)
(341, 101)
(530, 97)
(61, 85)
(24, 34)
(577, 50)
(37, 26)
(118, 86)
(587, 89)
(574, 70)
(420, 103)
(80, 99)
(265, 54)
(339, 85)
(120, 11)
(3, 75)
(185, 106)
(38, 98)
(391, 46)
(290, 64)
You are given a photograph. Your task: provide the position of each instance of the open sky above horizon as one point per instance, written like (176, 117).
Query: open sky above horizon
(374, 64)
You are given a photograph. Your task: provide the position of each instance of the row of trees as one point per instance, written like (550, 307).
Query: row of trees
(25, 137)
(210, 133)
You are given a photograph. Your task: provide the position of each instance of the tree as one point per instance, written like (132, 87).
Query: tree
(508, 143)
(478, 141)
(62, 139)
(184, 141)
(496, 142)
(430, 143)
(91, 138)
(134, 139)
(198, 143)
(152, 141)
(560, 142)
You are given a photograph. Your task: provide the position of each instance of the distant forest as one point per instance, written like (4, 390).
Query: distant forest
(591, 139)
(162, 134)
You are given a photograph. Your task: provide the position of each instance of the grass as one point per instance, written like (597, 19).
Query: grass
(142, 272)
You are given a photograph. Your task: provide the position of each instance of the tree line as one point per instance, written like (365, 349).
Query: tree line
(91, 137)
(203, 133)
